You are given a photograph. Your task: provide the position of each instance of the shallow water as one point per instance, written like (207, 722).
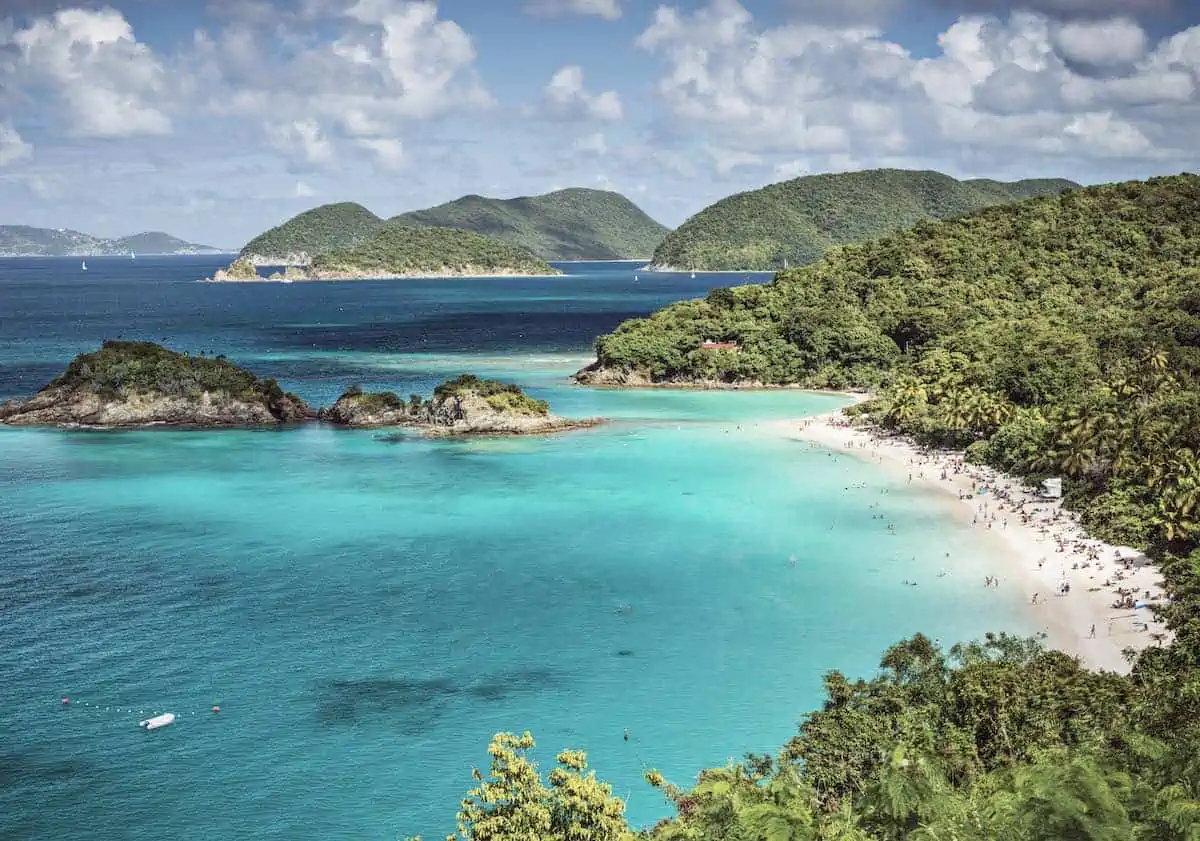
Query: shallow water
(368, 609)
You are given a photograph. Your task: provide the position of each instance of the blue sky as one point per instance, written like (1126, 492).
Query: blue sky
(214, 119)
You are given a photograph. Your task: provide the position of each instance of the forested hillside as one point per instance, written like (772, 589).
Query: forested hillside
(572, 224)
(313, 232)
(1060, 335)
(795, 222)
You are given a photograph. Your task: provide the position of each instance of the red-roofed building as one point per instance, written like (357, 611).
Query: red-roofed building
(709, 344)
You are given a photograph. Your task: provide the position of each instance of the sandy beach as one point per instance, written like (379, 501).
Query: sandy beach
(1041, 544)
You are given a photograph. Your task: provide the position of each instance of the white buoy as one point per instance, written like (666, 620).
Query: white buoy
(157, 721)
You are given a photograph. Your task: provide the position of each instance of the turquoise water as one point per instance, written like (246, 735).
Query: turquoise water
(367, 610)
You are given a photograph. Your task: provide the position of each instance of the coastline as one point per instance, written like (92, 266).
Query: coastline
(1037, 556)
(413, 276)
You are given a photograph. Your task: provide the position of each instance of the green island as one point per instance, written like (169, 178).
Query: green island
(1058, 335)
(465, 405)
(575, 223)
(795, 222)
(145, 384)
(572, 224)
(138, 384)
(299, 239)
(404, 251)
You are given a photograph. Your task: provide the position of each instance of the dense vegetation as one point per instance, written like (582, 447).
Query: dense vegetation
(799, 220)
(1058, 335)
(125, 368)
(568, 224)
(315, 231)
(503, 397)
(994, 741)
(1061, 334)
(398, 249)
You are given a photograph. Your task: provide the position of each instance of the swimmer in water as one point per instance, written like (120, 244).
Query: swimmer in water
(627, 734)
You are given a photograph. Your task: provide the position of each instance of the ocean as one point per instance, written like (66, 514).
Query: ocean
(367, 610)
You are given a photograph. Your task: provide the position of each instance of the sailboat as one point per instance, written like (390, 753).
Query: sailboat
(83, 266)
(693, 275)
(132, 256)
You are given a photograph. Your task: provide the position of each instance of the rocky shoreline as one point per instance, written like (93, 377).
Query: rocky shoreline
(127, 385)
(293, 274)
(597, 376)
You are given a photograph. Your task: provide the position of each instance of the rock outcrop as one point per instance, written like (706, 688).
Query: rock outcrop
(133, 384)
(465, 406)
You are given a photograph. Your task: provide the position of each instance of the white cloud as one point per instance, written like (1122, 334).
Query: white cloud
(303, 191)
(385, 66)
(1101, 43)
(727, 160)
(593, 144)
(12, 148)
(111, 84)
(827, 97)
(565, 96)
(388, 151)
(607, 9)
(303, 137)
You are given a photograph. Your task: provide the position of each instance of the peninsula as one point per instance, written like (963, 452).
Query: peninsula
(131, 384)
(401, 251)
(792, 223)
(139, 384)
(467, 405)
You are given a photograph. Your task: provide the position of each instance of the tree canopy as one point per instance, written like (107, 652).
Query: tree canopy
(795, 222)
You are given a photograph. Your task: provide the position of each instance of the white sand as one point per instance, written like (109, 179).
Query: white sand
(1030, 550)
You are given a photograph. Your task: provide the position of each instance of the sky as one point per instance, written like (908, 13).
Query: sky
(215, 119)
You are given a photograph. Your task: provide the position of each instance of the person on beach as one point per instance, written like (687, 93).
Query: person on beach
(1034, 599)
(1092, 635)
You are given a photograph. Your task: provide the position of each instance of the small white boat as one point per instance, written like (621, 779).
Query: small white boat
(157, 721)
(286, 280)
(83, 266)
(693, 274)
(132, 256)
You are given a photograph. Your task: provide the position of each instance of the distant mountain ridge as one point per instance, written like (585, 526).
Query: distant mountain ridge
(796, 221)
(28, 241)
(576, 223)
(573, 224)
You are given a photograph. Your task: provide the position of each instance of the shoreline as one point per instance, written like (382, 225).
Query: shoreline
(421, 276)
(1037, 555)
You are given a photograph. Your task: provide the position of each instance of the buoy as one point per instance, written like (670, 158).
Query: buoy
(216, 709)
(66, 701)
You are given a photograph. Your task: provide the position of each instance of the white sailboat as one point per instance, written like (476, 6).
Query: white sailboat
(83, 266)
(132, 256)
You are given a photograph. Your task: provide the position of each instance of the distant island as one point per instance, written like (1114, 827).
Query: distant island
(142, 384)
(26, 241)
(567, 224)
(400, 251)
(794, 222)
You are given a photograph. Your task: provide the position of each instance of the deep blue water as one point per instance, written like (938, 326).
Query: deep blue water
(367, 612)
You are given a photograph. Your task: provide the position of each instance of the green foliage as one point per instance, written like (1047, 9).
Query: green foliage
(128, 368)
(799, 220)
(315, 231)
(396, 249)
(242, 269)
(568, 224)
(374, 401)
(513, 803)
(1058, 335)
(503, 397)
